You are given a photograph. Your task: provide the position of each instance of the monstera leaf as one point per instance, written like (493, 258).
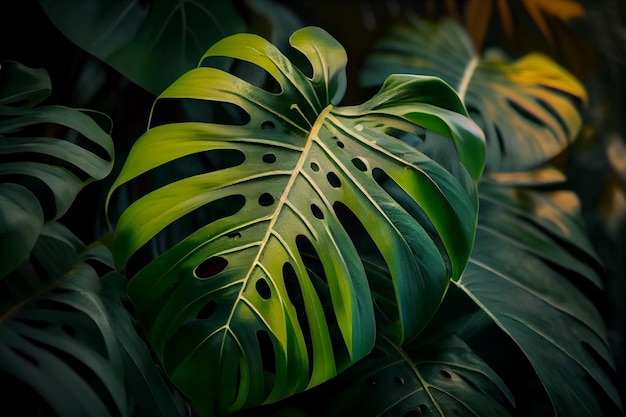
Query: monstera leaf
(137, 37)
(527, 108)
(54, 337)
(272, 295)
(48, 154)
(530, 265)
(67, 340)
(439, 378)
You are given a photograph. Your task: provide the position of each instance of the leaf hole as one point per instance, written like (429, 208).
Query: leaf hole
(333, 180)
(378, 353)
(183, 227)
(69, 330)
(341, 144)
(525, 112)
(359, 164)
(207, 311)
(317, 275)
(55, 305)
(266, 199)
(315, 167)
(269, 158)
(184, 110)
(268, 124)
(445, 374)
(245, 70)
(317, 212)
(36, 324)
(367, 249)
(399, 380)
(501, 141)
(210, 267)
(263, 288)
(25, 356)
(233, 235)
(294, 293)
(266, 348)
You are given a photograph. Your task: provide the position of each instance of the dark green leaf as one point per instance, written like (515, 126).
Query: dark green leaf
(54, 335)
(47, 155)
(440, 378)
(152, 43)
(529, 263)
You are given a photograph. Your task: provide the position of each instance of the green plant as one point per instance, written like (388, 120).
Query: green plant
(273, 251)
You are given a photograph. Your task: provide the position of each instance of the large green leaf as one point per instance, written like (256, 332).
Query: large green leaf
(530, 264)
(270, 295)
(151, 43)
(527, 108)
(47, 155)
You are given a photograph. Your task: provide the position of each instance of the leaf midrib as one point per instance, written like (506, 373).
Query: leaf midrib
(281, 202)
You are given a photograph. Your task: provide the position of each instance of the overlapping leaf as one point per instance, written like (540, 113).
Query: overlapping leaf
(272, 296)
(527, 108)
(530, 254)
(53, 335)
(137, 37)
(66, 337)
(47, 155)
(439, 378)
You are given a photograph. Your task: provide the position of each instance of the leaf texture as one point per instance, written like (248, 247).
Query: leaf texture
(318, 208)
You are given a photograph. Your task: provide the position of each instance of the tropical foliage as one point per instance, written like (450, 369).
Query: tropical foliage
(283, 234)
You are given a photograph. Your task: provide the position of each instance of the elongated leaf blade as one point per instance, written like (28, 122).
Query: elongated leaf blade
(528, 108)
(526, 248)
(271, 295)
(49, 153)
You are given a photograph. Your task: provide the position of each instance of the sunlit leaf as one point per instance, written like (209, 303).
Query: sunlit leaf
(273, 293)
